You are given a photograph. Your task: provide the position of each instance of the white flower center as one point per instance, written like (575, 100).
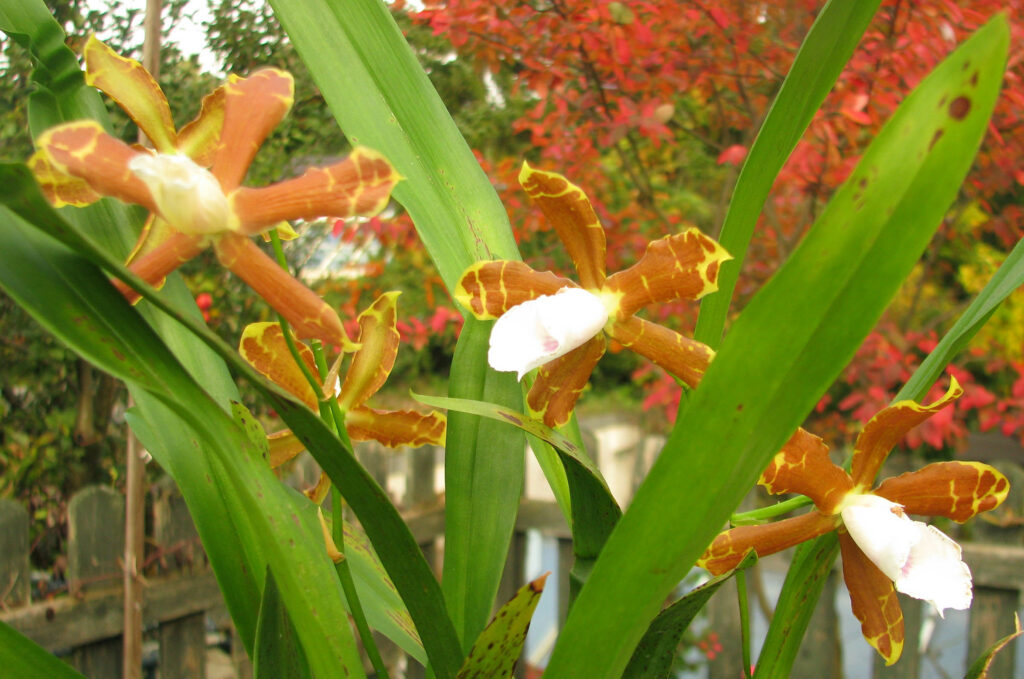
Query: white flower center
(538, 331)
(188, 196)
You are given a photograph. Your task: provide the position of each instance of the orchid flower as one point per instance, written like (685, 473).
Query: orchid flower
(547, 321)
(883, 550)
(264, 346)
(191, 181)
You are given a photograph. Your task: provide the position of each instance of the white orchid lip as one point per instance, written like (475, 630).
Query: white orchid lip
(920, 559)
(188, 196)
(538, 331)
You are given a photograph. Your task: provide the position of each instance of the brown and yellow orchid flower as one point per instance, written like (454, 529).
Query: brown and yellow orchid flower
(550, 322)
(883, 550)
(264, 346)
(191, 181)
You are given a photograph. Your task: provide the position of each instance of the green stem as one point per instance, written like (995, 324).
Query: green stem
(741, 595)
(332, 414)
(761, 515)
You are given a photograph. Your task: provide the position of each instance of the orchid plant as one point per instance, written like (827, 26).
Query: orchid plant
(275, 556)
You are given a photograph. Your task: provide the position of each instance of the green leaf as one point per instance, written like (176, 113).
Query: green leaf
(1006, 279)
(495, 652)
(395, 545)
(784, 350)
(278, 652)
(384, 100)
(822, 56)
(484, 472)
(980, 667)
(653, 656)
(22, 657)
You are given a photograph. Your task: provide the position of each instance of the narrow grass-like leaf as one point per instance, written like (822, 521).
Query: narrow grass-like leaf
(22, 657)
(822, 56)
(497, 649)
(278, 651)
(784, 350)
(382, 99)
(653, 656)
(484, 471)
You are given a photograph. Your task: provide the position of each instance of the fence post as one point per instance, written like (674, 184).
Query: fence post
(95, 545)
(183, 640)
(15, 587)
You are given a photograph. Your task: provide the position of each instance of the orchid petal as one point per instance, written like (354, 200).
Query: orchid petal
(186, 195)
(887, 428)
(359, 185)
(538, 331)
(128, 83)
(803, 466)
(681, 356)
(683, 266)
(154, 266)
(560, 383)
(921, 561)
(310, 316)
(200, 138)
(567, 208)
(263, 345)
(956, 490)
(83, 149)
(284, 446)
(253, 107)
(729, 548)
(60, 188)
(489, 289)
(372, 362)
(155, 231)
(873, 600)
(396, 427)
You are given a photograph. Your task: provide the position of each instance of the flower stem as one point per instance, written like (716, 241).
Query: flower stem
(763, 514)
(741, 596)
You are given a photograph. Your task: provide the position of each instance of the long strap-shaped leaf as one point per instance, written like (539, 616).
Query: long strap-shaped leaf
(784, 351)
(391, 538)
(822, 56)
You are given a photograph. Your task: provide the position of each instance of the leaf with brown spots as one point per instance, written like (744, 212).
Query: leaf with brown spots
(496, 650)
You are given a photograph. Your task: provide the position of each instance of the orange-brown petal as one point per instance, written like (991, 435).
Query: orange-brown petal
(683, 266)
(395, 428)
(569, 211)
(284, 445)
(200, 139)
(309, 316)
(263, 345)
(957, 490)
(82, 149)
(253, 107)
(803, 466)
(683, 357)
(887, 428)
(154, 266)
(359, 185)
(560, 382)
(58, 187)
(489, 289)
(729, 548)
(378, 345)
(874, 601)
(128, 83)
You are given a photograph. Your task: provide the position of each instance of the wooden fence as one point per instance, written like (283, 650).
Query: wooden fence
(180, 592)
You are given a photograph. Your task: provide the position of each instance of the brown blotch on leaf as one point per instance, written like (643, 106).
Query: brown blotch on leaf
(935, 137)
(974, 79)
(960, 107)
(511, 418)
